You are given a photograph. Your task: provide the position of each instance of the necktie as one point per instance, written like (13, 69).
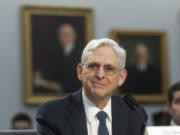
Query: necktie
(102, 130)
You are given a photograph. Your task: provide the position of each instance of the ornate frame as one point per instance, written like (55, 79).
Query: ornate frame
(130, 36)
(28, 12)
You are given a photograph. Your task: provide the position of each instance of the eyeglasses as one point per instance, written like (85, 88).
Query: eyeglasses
(108, 69)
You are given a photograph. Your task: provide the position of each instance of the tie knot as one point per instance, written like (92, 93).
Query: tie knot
(101, 116)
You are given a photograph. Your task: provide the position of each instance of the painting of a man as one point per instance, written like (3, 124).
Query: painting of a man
(146, 64)
(143, 77)
(53, 40)
(60, 74)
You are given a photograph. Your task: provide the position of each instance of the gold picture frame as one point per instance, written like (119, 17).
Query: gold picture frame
(149, 83)
(47, 71)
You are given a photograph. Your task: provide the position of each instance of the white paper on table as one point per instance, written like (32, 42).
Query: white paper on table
(163, 130)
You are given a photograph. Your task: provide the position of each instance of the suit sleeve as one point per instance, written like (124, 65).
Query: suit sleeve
(45, 121)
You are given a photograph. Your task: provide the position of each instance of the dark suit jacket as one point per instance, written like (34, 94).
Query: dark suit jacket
(67, 117)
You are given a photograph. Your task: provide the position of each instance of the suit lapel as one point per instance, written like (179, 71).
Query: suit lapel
(77, 117)
(119, 117)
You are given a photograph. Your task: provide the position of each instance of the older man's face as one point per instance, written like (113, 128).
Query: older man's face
(99, 83)
(174, 107)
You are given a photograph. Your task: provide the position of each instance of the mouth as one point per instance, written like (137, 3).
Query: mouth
(98, 84)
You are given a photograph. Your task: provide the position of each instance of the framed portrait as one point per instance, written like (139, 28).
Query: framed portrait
(53, 40)
(146, 64)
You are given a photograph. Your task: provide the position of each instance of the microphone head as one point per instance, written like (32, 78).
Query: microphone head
(130, 101)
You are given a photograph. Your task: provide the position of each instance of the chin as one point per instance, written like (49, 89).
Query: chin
(99, 93)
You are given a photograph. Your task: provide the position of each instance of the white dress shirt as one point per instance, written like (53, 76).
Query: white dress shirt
(172, 123)
(92, 121)
(67, 49)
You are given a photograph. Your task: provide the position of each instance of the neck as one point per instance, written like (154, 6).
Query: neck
(100, 102)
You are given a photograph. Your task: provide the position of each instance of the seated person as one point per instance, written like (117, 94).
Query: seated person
(174, 104)
(94, 110)
(21, 121)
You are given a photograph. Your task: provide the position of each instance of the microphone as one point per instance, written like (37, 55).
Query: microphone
(131, 102)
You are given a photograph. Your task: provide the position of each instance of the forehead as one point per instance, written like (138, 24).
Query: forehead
(21, 124)
(66, 28)
(104, 55)
(176, 94)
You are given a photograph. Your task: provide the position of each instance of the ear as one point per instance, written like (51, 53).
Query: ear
(79, 71)
(122, 78)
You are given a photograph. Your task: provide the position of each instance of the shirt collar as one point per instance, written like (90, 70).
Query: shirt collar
(172, 123)
(68, 49)
(91, 110)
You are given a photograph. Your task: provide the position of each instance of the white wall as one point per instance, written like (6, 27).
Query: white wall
(137, 14)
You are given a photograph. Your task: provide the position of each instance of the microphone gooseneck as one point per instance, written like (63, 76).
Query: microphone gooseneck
(131, 102)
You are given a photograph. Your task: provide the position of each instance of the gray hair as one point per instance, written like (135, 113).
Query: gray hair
(94, 44)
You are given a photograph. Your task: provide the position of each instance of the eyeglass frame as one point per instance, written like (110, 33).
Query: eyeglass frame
(105, 68)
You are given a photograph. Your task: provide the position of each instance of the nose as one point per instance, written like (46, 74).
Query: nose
(100, 73)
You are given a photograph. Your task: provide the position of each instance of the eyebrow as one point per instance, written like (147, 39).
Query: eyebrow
(103, 65)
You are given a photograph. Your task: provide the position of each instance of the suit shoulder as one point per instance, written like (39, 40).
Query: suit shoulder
(56, 105)
(61, 105)
(120, 102)
(131, 112)
(143, 113)
(118, 99)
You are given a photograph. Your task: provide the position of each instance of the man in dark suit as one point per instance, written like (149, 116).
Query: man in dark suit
(94, 110)
(174, 104)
